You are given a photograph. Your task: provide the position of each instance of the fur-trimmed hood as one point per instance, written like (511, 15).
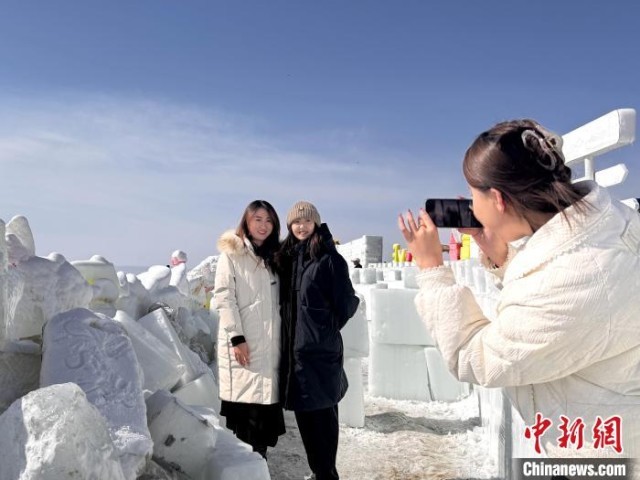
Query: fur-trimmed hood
(231, 244)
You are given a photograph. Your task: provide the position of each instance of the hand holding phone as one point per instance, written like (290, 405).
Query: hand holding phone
(451, 213)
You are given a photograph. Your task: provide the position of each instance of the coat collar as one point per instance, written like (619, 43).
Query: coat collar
(232, 244)
(558, 236)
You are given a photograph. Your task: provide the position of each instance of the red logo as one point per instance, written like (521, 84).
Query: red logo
(606, 433)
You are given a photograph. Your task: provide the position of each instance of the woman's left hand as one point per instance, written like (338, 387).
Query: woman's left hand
(423, 240)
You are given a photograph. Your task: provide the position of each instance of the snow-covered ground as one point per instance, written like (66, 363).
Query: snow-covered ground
(401, 440)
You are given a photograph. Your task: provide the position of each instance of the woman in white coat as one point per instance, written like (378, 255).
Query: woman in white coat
(246, 296)
(566, 339)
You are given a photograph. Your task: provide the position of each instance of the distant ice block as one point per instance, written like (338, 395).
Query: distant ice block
(409, 277)
(395, 320)
(162, 368)
(181, 437)
(391, 275)
(444, 387)
(101, 275)
(50, 285)
(398, 372)
(355, 334)
(97, 267)
(368, 276)
(201, 391)
(19, 374)
(233, 459)
(54, 433)
(96, 353)
(351, 407)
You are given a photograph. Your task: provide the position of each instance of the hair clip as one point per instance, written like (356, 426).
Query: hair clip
(547, 146)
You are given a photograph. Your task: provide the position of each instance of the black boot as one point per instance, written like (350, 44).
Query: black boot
(262, 450)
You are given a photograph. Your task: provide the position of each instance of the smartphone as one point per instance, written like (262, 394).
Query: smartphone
(451, 213)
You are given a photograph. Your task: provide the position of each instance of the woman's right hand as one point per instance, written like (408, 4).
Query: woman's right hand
(492, 246)
(241, 353)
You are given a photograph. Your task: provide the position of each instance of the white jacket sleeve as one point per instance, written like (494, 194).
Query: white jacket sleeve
(225, 297)
(549, 325)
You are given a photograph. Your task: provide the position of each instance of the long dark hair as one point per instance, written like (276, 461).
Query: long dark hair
(271, 244)
(315, 247)
(524, 162)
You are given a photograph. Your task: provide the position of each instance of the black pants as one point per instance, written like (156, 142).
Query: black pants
(319, 431)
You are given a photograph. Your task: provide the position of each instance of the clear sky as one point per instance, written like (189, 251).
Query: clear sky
(131, 129)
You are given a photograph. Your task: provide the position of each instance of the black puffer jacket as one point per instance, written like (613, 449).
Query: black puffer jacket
(317, 299)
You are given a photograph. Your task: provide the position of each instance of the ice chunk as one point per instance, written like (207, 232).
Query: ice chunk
(156, 277)
(51, 285)
(443, 385)
(162, 367)
(97, 267)
(201, 391)
(351, 407)
(134, 298)
(233, 459)
(19, 374)
(54, 433)
(159, 325)
(398, 372)
(20, 243)
(201, 279)
(101, 275)
(181, 437)
(495, 415)
(395, 320)
(96, 353)
(366, 290)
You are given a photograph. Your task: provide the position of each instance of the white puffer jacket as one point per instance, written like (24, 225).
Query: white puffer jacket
(247, 298)
(566, 340)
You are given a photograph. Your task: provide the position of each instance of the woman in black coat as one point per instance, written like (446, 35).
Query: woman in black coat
(316, 300)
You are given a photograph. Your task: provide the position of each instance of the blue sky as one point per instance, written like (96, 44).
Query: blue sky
(131, 129)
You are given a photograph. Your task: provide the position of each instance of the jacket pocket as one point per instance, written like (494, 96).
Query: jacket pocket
(313, 328)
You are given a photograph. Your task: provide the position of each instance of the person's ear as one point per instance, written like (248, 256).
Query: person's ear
(498, 200)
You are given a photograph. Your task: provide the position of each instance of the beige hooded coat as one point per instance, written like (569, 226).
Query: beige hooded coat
(246, 297)
(566, 339)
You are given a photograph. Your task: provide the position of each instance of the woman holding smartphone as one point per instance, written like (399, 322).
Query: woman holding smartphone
(317, 300)
(565, 344)
(247, 298)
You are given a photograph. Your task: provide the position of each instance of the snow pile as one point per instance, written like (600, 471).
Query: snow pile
(81, 348)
